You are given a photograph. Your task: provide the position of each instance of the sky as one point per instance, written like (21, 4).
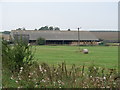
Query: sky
(31, 15)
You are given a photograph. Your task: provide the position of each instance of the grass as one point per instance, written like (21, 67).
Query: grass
(103, 56)
(77, 72)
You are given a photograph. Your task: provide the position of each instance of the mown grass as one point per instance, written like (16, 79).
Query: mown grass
(103, 56)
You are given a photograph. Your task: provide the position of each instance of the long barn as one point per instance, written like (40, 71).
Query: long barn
(107, 36)
(57, 37)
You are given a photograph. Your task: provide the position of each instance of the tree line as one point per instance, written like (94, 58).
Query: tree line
(43, 28)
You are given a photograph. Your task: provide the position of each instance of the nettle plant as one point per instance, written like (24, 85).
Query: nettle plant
(17, 55)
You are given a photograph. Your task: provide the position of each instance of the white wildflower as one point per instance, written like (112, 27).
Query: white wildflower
(108, 87)
(59, 81)
(36, 85)
(21, 71)
(91, 76)
(19, 78)
(45, 70)
(11, 78)
(114, 83)
(110, 76)
(16, 81)
(28, 44)
(29, 76)
(21, 68)
(40, 68)
(43, 80)
(31, 73)
(104, 77)
(48, 79)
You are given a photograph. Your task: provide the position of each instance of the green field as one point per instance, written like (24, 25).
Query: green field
(103, 56)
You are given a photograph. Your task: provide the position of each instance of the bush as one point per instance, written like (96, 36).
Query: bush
(41, 41)
(16, 56)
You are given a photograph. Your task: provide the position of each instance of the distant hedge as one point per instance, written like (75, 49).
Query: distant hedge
(40, 41)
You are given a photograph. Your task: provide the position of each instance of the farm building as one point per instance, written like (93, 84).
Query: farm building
(57, 37)
(107, 36)
(6, 37)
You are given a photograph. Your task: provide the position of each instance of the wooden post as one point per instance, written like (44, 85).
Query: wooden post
(78, 37)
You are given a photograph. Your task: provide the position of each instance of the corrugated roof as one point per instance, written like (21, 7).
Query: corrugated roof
(57, 35)
(108, 35)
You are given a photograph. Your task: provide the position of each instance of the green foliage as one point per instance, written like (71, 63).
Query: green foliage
(44, 28)
(49, 28)
(69, 30)
(16, 56)
(45, 76)
(56, 28)
(41, 41)
(6, 32)
(21, 28)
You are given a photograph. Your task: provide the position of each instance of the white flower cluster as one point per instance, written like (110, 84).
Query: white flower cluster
(21, 69)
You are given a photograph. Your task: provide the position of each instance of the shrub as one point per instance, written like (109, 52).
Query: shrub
(16, 56)
(41, 41)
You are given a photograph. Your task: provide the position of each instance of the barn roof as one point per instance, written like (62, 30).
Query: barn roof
(57, 35)
(106, 35)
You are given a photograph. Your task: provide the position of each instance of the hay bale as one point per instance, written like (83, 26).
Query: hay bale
(85, 51)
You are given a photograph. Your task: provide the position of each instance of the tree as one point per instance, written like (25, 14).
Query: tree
(19, 29)
(56, 28)
(68, 29)
(41, 41)
(50, 28)
(44, 28)
(23, 28)
(6, 32)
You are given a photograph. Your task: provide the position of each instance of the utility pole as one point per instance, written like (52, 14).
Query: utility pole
(78, 37)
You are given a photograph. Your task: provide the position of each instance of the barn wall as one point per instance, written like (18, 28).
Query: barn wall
(84, 43)
(61, 42)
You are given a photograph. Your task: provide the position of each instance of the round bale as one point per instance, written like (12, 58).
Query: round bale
(85, 51)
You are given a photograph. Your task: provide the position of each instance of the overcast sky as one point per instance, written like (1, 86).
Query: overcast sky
(31, 15)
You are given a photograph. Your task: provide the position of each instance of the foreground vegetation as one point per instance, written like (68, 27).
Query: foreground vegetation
(23, 70)
(44, 76)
